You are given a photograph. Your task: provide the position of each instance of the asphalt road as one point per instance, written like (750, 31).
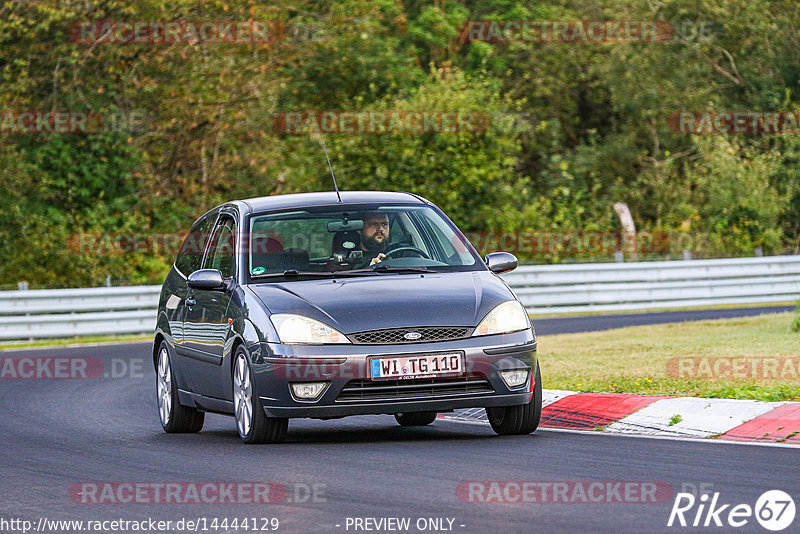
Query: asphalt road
(59, 434)
(588, 323)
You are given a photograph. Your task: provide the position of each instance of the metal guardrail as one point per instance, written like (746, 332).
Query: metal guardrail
(544, 289)
(660, 284)
(42, 313)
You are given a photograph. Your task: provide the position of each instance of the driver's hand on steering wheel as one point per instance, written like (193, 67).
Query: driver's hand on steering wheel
(377, 259)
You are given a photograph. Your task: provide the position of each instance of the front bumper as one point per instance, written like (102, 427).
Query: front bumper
(277, 365)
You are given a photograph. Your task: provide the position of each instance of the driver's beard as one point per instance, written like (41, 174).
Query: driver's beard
(372, 244)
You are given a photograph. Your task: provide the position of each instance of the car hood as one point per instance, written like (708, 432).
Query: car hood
(389, 300)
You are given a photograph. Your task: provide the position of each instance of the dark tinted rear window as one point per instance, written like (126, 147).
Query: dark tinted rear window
(191, 254)
(221, 253)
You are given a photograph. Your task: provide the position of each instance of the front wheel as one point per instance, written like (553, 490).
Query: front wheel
(521, 419)
(415, 418)
(175, 418)
(253, 424)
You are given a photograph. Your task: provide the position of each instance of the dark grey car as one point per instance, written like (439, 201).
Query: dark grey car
(310, 306)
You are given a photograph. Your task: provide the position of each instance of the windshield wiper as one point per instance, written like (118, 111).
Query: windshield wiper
(369, 271)
(294, 273)
(389, 269)
(379, 268)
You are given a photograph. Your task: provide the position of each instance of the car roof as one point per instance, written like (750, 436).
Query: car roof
(300, 200)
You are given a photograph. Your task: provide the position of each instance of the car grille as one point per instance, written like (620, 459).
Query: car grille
(395, 335)
(357, 390)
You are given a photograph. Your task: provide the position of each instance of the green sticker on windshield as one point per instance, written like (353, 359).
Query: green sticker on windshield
(257, 270)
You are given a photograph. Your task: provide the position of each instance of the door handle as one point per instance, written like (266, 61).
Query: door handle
(190, 302)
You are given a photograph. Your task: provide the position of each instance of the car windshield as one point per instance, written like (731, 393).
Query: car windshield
(356, 239)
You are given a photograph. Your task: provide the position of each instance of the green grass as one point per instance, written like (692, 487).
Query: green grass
(675, 419)
(796, 322)
(63, 342)
(634, 360)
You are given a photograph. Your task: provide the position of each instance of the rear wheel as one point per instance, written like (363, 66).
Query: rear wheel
(174, 417)
(521, 419)
(253, 424)
(415, 418)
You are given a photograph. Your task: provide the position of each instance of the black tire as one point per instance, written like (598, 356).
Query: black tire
(261, 429)
(521, 419)
(175, 418)
(415, 418)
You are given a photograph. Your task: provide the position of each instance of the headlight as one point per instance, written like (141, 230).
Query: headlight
(299, 329)
(507, 317)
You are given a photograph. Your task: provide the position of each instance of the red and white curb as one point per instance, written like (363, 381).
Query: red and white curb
(664, 416)
(698, 418)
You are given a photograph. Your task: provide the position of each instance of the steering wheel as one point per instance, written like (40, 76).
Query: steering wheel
(412, 249)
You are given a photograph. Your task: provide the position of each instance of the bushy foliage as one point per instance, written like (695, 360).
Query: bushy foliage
(574, 127)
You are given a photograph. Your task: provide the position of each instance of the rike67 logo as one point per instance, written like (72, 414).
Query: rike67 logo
(774, 510)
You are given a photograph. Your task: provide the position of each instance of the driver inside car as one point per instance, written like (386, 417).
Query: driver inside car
(374, 238)
(374, 243)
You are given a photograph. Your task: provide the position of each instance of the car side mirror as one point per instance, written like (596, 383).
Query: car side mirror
(501, 262)
(206, 279)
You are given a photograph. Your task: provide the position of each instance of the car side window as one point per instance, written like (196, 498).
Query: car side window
(396, 232)
(191, 254)
(444, 241)
(221, 254)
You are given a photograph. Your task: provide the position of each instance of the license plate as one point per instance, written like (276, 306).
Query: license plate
(417, 366)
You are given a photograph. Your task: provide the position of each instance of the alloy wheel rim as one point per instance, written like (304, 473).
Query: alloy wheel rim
(164, 387)
(243, 396)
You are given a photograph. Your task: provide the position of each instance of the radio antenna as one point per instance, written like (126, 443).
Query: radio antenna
(331, 168)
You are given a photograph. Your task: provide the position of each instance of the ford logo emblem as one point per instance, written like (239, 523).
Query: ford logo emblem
(412, 336)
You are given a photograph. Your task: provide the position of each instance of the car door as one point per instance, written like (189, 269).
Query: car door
(206, 326)
(190, 259)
